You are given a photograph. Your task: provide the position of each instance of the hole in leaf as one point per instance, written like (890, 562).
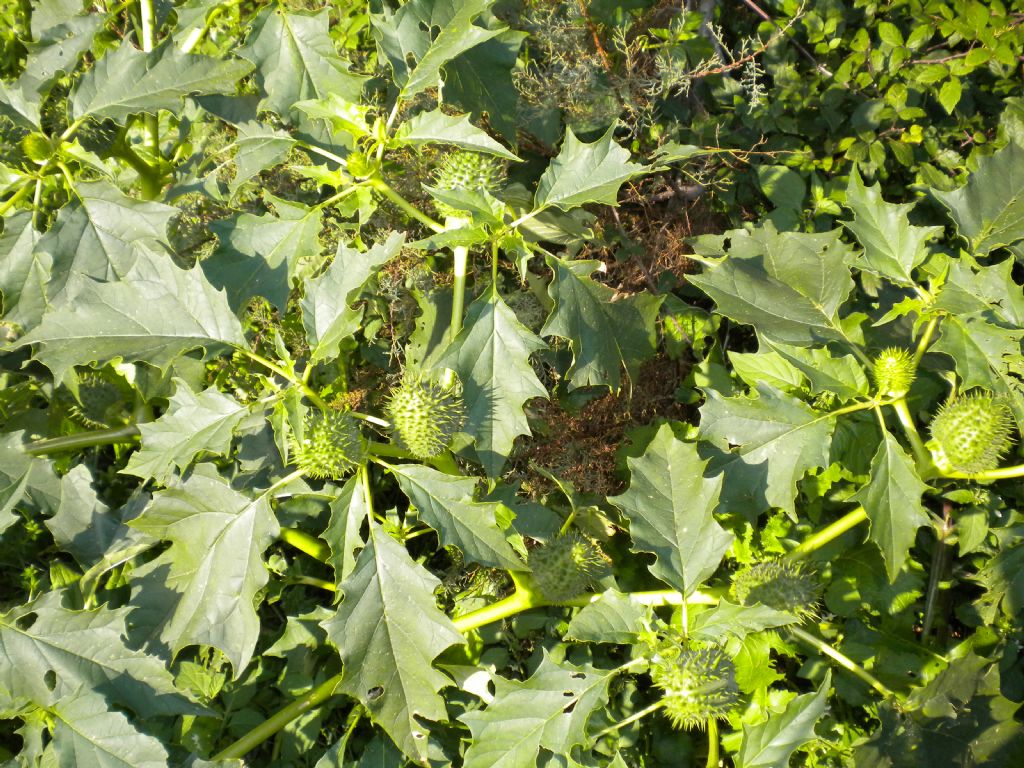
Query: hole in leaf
(374, 693)
(50, 679)
(418, 735)
(577, 675)
(26, 621)
(570, 708)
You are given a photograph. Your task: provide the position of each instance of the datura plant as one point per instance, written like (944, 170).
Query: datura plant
(335, 426)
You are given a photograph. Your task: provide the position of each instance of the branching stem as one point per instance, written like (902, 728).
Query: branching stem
(91, 439)
(408, 208)
(842, 660)
(314, 398)
(827, 534)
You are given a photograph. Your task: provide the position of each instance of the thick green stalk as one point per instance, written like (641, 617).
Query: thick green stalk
(316, 548)
(1004, 473)
(17, 197)
(91, 439)
(385, 189)
(196, 35)
(818, 540)
(713, 756)
(922, 457)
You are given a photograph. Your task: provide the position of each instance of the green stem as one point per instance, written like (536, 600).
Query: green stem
(196, 35)
(827, 534)
(385, 189)
(926, 339)
(390, 450)
(280, 719)
(460, 267)
(842, 660)
(311, 581)
(151, 121)
(314, 398)
(1006, 473)
(519, 601)
(631, 719)
(17, 197)
(91, 439)
(713, 757)
(921, 455)
(304, 542)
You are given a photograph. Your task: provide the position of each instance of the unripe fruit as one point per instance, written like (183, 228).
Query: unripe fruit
(698, 685)
(37, 147)
(566, 566)
(101, 402)
(970, 434)
(779, 584)
(425, 415)
(330, 446)
(893, 372)
(468, 171)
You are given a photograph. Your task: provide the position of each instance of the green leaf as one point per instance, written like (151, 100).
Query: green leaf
(24, 477)
(949, 94)
(20, 104)
(327, 314)
(155, 313)
(985, 355)
(82, 650)
(192, 423)
(445, 503)
(765, 445)
(491, 355)
(389, 631)
(669, 504)
(726, 619)
(549, 710)
(788, 285)
(348, 512)
(480, 81)
(202, 589)
(257, 147)
(843, 376)
(612, 618)
(586, 173)
(343, 115)
(770, 744)
(87, 732)
(258, 255)
(768, 367)
(892, 499)
(1003, 578)
(892, 246)
(127, 81)
(989, 209)
(606, 335)
(296, 60)
(99, 237)
(438, 128)
(408, 35)
(83, 525)
(23, 274)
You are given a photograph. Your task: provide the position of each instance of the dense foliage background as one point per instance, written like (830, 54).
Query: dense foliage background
(511, 383)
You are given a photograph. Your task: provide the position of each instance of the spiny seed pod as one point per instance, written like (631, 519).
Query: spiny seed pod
(699, 684)
(893, 371)
(566, 566)
(779, 584)
(37, 147)
(971, 433)
(425, 415)
(330, 446)
(100, 403)
(470, 171)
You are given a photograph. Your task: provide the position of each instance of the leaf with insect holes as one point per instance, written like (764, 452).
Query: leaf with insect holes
(586, 173)
(769, 744)
(63, 650)
(327, 314)
(788, 285)
(422, 36)
(550, 710)
(491, 355)
(155, 313)
(446, 504)
(127, 81)
(669, 505)
(892, 499)
(388, 631)
(192, 423)
(606, 335)
(763, 445)
(296, 60)
(202, 589)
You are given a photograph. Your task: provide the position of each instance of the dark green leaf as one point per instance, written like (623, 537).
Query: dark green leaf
(612, 618)
(586, 173)
(770, 744)
(438, 128)
(87, 732)
(726, 619)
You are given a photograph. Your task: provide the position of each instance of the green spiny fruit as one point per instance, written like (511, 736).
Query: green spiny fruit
(698, 685)
(330, 446)
(425, 415)
(566, 566)
(779, 584)
(893, 371)
(971, 433)
(468, 171)
(37, 147)
(100, 403)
